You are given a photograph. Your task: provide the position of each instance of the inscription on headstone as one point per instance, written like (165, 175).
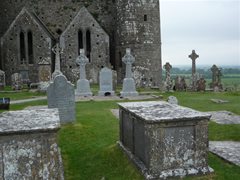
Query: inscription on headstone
(61, 95)
(83, 85)
(106, 82)
(129, 88)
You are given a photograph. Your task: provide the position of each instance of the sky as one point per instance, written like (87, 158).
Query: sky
(210, 27)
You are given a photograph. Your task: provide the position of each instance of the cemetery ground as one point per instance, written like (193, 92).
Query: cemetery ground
(89, 148)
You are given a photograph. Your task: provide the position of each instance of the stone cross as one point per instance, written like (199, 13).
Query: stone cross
(168, 67)
(128, 59)
(193, 56)
(82, 60)
(58, 51)
(214, 70)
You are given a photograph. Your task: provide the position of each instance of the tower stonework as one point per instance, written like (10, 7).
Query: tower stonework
(114, 25)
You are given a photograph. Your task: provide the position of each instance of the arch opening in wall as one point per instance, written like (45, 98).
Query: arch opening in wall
(22, 48)
(30, 47)
(88, 44)
(80, 41)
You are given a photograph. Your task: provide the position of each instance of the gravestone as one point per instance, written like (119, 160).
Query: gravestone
(129, 88)
(164, 140)
(57, 51)
(83, 85)
(106, 82)
(16, 80)
(4, 103)
(216, 78)
(172, 100)
(193, 57)
(28, 145)
(168, 82)
(44, 74)
(61, 95)
(180, 84)
(201, 84)
(2, 80)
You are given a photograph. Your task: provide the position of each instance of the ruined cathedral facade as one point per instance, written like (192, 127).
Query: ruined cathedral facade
(29, 29)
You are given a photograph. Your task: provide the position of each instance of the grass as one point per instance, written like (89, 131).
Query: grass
(89, 147)
(17, 95)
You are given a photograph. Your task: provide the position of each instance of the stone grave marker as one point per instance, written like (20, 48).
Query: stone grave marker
(129, 87)
(193, 57)
(201, 84)
(168, 82)
(83, 85)
(172, 100)
(61, 95)
(57, 51)
(16, 80)
(2, 80)
(4, 103)
(106, 82)
(216, 78)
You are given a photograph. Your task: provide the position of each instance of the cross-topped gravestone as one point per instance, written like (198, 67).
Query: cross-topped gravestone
(57, 51)
(129, 88)
(193, 57)
(83, 85)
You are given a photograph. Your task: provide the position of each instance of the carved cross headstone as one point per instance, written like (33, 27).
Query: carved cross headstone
(129, 88)
(57, 51)
(83, 85)
(193, 57)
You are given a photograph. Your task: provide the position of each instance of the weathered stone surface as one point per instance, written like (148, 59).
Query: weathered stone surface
(28, 148)
(57, 51)
(83, 85)
(106, 82)
(216, 79)
(193, 57)
(61, 95)
(2, 79)
(16, 80)
(168, 81)
(172, 100)
(164, 140)
(129, 88)
(224, 117)
(228, 150)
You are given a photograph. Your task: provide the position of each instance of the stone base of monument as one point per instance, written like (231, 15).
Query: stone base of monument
(129, 88)
(28, 145)
(83, 88)
(164, 140)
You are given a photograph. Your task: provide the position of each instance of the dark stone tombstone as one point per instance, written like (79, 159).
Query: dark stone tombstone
(201, 84)
(4, 103)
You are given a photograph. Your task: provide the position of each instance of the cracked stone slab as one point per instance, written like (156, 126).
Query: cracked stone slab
(228, 150)
(224, 117)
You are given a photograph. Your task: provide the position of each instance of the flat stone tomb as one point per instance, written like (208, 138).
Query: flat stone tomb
(106, 82)
(164, 140)
(28, 145)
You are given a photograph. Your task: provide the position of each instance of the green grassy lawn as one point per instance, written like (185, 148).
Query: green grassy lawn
(89, 148)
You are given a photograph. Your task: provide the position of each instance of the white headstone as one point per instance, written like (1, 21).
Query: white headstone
(172, 100)
(106, 82)
(61, 95)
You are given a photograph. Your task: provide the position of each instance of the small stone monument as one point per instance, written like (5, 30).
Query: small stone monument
(28, 145)
(106, 82)
(61, 95)
(168, 82)
(172, 100)
(57, 51)
(193, 57)
(180, 84)
(201, 84)
(216, 78)
(17, 83)
(2, 80)
(129, 88)
(83, 85)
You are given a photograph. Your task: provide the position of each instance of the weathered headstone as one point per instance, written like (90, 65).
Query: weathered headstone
(2, 80)
(106, 82)
(17, 83)
(61, 95)
(44, 74)
(216, 78)
(193, 57)
(172, 100)
(4, 103)
(164, 140)
(83, 85)
(28, 145)
(168, 82)
(57, 51)
(180, 84)
(129, 88)
(201, 84)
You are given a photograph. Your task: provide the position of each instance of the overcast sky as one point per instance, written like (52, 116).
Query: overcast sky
(211, 27)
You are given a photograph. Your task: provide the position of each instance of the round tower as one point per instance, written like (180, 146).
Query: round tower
(138, 28)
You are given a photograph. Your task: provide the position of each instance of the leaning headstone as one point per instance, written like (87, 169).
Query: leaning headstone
(2, 80)
(164, 140)
(106, 82)
(172, 100)
(61, 95)
(17, 83)
(129, 88)
(83, 85)
(57, 51)
(28, 145)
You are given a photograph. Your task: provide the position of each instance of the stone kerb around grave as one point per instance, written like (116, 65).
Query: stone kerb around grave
(106, 82)
(61, 95)
(164, 140)
(28, 145)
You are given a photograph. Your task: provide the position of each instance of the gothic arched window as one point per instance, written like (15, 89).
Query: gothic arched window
(22, 48)
(30, 47)
(88, 44)
(80, 41)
